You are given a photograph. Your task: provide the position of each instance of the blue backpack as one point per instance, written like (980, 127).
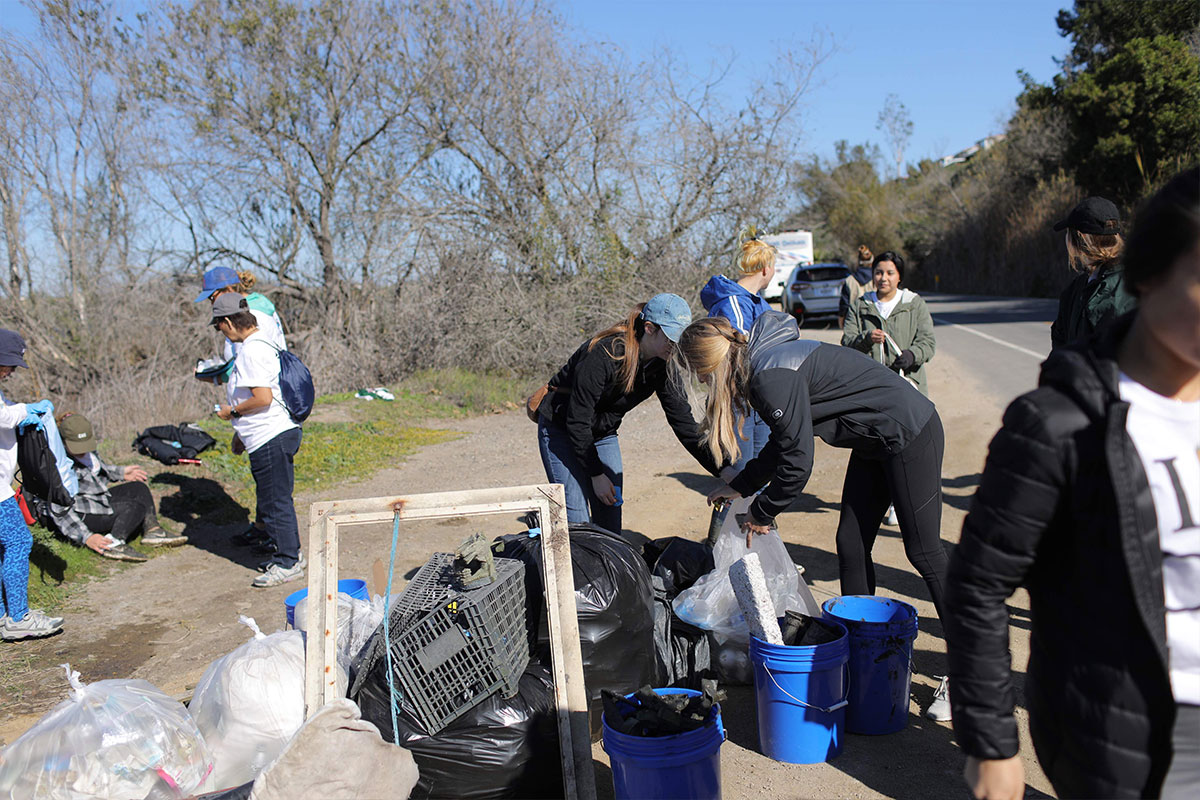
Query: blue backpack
(296, 389)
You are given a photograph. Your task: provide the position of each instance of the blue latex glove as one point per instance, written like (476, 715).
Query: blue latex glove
(35, 411)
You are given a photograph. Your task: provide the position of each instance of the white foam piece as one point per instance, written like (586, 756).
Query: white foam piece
(754, 598)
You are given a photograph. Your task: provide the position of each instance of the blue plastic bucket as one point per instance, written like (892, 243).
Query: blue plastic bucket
(882, 631)
(686, 766)
(801, 694)
(355, 587)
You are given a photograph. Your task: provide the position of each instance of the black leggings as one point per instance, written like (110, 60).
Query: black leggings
(912, 481)
(133, 508)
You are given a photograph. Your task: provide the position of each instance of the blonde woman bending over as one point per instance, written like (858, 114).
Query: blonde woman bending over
(803, 389)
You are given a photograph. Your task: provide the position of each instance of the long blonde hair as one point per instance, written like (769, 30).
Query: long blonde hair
(755, 256)
(627, 348)
(1090, 251)
(713, 347)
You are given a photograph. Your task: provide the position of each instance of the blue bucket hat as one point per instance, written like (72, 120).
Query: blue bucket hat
(669, 312)
(12, 349)
(217, 278)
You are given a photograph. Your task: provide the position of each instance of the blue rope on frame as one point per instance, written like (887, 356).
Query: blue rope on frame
(387, 625)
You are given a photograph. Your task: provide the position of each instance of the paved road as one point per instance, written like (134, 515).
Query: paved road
(1001, 340)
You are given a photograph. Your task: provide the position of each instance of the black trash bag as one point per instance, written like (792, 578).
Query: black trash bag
(236, 793)
(679, 562)
(169, 443)
(681, 649)
(499, 749)
(614, 601)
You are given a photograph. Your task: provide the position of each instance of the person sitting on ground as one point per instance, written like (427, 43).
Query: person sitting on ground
(17, 619)
(856, 284)
(103, 516)
(1098, 295)
(266, 432)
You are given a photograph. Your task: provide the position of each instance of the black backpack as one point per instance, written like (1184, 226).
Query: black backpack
(296, 388)
(169, 443)
(39, 466)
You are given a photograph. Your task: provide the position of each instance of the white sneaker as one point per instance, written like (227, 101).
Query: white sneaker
(276, 574)
(35, 625)
(939, 709)
(891, 518)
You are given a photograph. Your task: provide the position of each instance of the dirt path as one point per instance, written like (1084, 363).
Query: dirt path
(167, 619)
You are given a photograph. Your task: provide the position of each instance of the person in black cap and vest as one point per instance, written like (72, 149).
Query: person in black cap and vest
(1097, 295)
(17, 619)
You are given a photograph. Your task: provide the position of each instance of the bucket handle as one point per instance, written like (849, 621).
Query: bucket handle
(845, 701)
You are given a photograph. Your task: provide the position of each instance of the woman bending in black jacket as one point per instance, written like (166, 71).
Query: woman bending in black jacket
(803, 388)
(609, 375)
(1090, 498)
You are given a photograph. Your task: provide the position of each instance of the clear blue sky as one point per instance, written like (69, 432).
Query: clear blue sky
(953, 64)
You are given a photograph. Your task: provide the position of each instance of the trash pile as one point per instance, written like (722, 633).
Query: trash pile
(455, 669)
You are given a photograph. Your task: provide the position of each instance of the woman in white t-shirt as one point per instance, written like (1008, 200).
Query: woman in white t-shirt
(1090, 499)
(264, 429)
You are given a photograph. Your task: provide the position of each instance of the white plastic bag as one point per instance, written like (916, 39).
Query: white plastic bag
(710, 602)
(250, 702)
(113, 740)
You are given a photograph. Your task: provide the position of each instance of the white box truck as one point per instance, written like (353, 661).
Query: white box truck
(794, 248)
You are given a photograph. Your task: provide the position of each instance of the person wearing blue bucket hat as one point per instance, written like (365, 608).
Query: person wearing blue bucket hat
(580, 409)
(17, 619)
(1090, 501)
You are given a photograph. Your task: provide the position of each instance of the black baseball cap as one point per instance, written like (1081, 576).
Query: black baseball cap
(1091, 216)
(12, 349)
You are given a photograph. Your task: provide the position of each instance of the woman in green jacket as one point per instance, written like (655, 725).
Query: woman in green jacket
(892, 313)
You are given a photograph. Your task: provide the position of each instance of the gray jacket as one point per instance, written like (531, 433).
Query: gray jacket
(910, 325)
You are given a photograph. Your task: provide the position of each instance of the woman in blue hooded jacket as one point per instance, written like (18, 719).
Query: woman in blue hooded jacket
(740, 303)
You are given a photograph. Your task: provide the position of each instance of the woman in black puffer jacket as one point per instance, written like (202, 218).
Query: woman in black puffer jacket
(1090, 498)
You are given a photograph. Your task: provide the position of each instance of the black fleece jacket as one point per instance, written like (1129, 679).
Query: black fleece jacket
(590, 403)
(1064, 508)
(803, 388)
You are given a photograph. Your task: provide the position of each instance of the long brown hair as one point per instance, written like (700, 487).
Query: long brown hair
(713, 347)
(627, 348)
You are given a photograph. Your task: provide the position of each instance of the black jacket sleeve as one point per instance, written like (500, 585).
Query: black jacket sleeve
(679, 416)
(780, 396)
(592, 374)
(1017, 501)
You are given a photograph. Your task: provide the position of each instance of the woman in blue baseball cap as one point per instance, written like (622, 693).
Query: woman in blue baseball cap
(579, 411)
(17, 619)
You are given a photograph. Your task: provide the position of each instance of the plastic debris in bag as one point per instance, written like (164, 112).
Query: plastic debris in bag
(614, 603)
(110, 740)
(710, 602)
(357, 622)
(500, 748)
(250, 702)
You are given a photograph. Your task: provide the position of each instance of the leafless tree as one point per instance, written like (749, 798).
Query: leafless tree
(897, 128)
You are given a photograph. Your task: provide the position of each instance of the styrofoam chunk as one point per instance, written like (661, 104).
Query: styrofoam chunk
(750, 588)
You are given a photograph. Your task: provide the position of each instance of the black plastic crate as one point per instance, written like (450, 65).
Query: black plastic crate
(453, 648)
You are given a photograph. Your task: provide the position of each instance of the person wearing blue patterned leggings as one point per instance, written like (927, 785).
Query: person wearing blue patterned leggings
(17, 620)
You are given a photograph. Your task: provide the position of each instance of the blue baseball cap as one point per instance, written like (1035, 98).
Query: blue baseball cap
(217, 278)
(12, 349)
(669, 312)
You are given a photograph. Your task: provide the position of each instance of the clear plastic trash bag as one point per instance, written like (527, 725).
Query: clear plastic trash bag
(357, 621)
(710, 602)
(110, 740)
(250, 702)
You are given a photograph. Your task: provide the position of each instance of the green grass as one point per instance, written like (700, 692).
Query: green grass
(346, 439)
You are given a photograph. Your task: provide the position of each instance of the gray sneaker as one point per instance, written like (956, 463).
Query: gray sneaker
(35, 625)
(119, 551)
(939, 709)
(157, 537)
(277, 574)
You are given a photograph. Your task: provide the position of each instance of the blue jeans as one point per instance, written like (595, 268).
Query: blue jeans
(16, 540)
(756, 432)
(274, 477)
(562, 466)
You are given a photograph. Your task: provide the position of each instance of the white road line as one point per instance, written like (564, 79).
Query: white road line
(990, 338)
